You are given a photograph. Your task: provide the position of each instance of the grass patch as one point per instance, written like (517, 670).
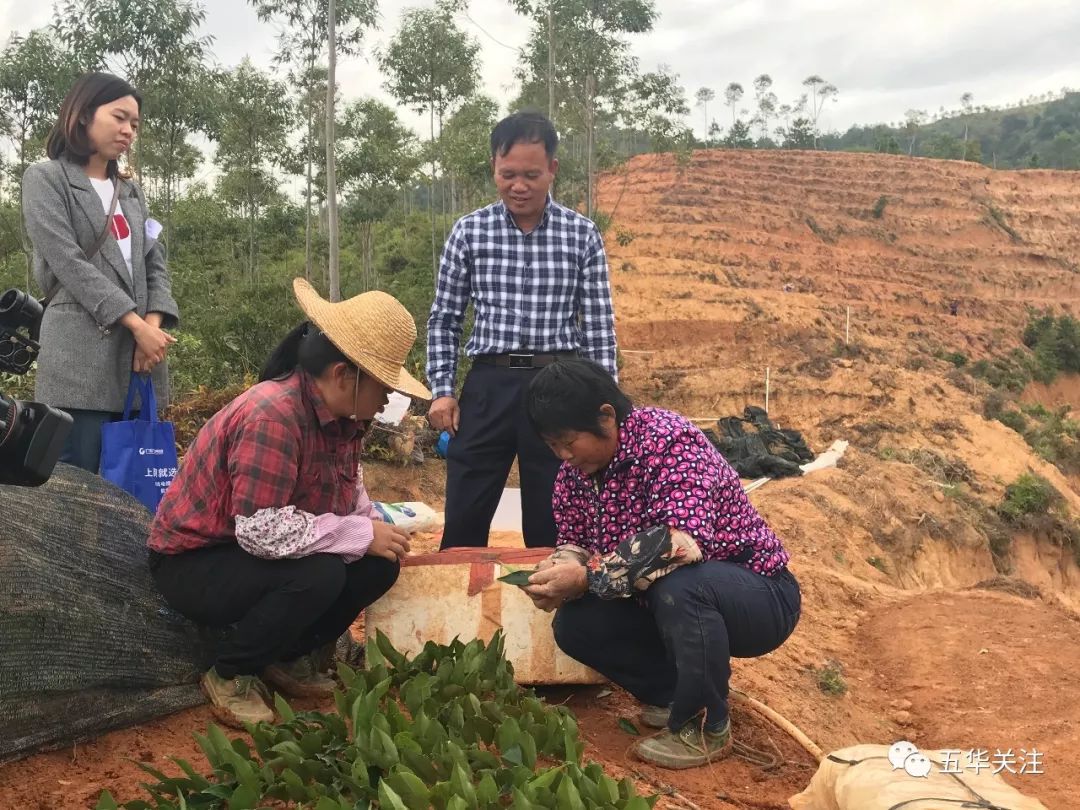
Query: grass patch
(830, 679)
(879, 207)
(997, 217)
(820, 232)
(949, 471)
(878, 563)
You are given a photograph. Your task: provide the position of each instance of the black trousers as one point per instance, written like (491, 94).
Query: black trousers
(278, 610)
(493, 429)
(674, 646)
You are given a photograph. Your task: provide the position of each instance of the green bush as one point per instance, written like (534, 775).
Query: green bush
(1011, 372)
(1055, 343)
(1055, 440)
(994, 404)
(448, 729)
(1036, 410)
(1013, 419)
(1029, 495)
(879, 206)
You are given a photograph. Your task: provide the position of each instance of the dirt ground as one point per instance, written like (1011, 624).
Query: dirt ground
(744, 262)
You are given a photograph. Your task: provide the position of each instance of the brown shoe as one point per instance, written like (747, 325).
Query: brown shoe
(299, 678)
(236, 701)
(689, 748)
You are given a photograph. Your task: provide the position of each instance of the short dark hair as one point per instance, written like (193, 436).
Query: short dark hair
(306, 347)
(524, 127)
(68, 136)
(568, 395)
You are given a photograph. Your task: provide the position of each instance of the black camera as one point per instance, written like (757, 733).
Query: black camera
(32, 434)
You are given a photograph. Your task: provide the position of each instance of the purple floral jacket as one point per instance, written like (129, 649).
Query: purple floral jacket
(665, 472)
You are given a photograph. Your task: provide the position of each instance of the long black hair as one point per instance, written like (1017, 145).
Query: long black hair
(306, 347)
(568, 395)
(69, 136)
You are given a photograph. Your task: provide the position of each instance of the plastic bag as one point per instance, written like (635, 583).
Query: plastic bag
(412, 516)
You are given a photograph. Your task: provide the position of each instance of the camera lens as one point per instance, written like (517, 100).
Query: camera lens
(19, 309)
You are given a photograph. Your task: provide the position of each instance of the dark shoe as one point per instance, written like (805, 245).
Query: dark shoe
(299, 678)
(655, 716)
(690, 747)
(236, 701)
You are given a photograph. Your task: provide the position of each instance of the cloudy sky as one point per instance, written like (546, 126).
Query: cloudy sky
(885, 57)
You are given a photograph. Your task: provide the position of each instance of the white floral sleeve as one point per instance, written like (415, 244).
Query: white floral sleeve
(276, 533)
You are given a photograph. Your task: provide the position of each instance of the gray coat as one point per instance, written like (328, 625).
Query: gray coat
(86, 355)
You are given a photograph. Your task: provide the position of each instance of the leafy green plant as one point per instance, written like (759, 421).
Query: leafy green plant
(448, 729)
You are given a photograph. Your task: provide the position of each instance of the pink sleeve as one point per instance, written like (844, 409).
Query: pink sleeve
(348, 536)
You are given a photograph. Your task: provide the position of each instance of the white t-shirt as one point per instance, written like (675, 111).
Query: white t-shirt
(119, 225)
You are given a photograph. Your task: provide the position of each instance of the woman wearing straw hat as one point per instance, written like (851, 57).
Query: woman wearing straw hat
(267, 529)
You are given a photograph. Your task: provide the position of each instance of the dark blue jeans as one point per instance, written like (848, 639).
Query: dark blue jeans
(83, 445)
(674, 646)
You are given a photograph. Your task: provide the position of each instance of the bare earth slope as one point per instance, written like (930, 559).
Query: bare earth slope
(745, 260)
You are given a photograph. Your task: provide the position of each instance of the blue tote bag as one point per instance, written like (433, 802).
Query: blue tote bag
(139, 455)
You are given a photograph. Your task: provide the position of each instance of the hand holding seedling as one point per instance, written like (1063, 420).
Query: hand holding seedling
(550, 587)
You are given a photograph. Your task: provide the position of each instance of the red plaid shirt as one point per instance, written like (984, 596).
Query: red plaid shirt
(275, 445)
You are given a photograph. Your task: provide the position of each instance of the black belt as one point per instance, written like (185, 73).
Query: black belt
(522, 359)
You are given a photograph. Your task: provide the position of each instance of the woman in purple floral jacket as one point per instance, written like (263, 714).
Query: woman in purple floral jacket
(663, 570)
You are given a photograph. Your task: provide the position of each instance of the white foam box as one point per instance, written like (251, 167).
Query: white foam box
(456, 593)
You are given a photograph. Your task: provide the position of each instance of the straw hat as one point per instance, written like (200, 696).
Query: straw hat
(372, 329)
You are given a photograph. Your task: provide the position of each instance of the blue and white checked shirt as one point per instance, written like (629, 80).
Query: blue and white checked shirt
(545, 291)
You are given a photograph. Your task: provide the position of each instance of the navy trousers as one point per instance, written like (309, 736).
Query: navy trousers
(674, 646)
(494, 428)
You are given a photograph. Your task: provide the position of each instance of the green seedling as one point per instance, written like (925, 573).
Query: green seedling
(519, 578)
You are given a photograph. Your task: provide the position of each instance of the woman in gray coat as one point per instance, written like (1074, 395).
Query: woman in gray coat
(97, 257)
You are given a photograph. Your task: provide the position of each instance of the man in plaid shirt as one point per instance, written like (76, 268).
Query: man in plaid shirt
(537, 276)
